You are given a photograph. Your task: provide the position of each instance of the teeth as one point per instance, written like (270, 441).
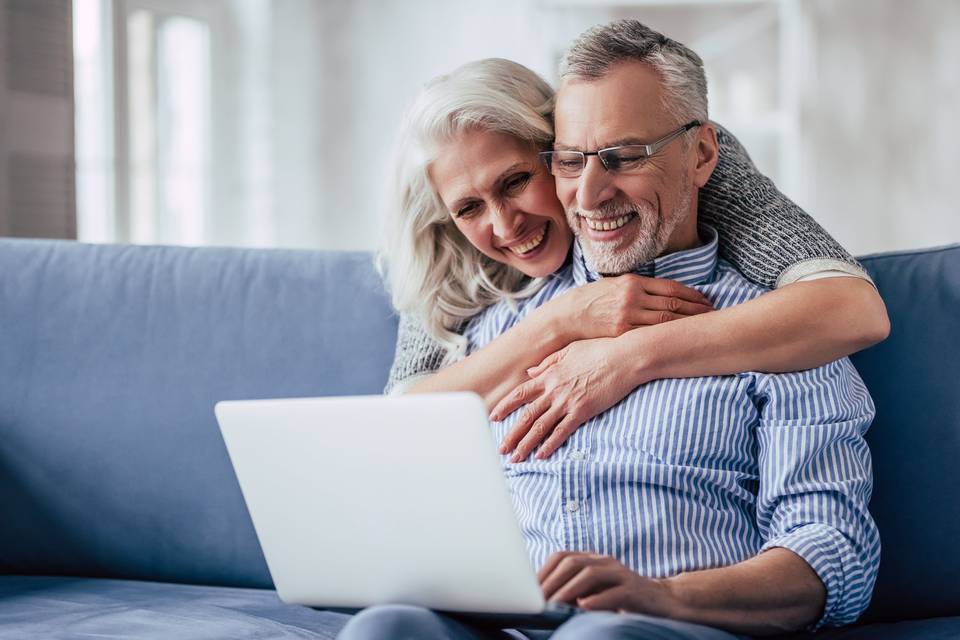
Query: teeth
(530, 244)
(608, 225)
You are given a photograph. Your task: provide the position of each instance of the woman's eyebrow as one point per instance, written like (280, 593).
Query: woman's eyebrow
(497, 182)
(508, 170)
(505, 174)
(460, 202)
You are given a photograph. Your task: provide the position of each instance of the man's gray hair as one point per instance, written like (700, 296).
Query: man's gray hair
(592, 55)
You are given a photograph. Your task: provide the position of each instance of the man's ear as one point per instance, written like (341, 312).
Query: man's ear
(706, 153)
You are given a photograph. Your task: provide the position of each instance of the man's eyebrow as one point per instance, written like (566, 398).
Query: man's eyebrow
(619, 142)
(622, 142)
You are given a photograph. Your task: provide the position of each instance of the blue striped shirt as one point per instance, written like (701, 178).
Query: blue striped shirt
(688, 474)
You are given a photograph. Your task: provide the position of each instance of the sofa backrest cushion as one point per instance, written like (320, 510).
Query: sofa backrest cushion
(111, 360)
(914, 378)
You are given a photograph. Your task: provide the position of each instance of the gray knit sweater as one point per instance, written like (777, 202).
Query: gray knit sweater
(767, 237)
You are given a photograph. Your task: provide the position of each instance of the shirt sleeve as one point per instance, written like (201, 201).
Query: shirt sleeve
(417, 355)
(762, 232)
(818, 268)
(816, 479)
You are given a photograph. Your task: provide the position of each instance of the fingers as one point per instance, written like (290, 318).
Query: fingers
(615, 599)
(534, 411)
(563, 431)
(590, 580)
(551, 564)
(574, 575)
(520, 396)
(539, 430)
(551, 359)
(559, 568)
(675, 305)
(645, 318)
(673, 289)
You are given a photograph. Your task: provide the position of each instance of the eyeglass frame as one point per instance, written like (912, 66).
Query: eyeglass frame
(648, 150)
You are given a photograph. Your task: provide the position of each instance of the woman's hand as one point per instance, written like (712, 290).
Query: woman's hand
(591, 374)
(612, 306)
(565, 390)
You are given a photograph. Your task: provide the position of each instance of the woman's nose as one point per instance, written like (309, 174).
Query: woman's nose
(507, 221)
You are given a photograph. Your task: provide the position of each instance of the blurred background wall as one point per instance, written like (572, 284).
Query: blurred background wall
(270, 123)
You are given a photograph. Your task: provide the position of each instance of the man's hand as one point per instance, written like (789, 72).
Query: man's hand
(771, 593)
(600, 583)
(568, 388)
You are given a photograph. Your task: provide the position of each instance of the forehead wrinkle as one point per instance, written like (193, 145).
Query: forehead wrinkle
(622, 106)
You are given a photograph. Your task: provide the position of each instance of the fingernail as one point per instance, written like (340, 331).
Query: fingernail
(515, 458)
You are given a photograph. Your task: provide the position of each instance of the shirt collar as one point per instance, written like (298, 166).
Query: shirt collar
(689, 267)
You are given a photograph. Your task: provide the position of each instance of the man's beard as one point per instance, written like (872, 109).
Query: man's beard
(651, 233)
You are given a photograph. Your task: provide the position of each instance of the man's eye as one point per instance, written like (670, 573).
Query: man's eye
(628, 159)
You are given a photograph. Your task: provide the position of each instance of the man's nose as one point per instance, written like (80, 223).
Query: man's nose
(595, 186)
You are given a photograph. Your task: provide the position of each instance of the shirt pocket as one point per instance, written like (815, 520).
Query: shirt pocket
(705, 422)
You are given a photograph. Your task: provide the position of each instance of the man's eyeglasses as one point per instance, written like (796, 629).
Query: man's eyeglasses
(624, 159)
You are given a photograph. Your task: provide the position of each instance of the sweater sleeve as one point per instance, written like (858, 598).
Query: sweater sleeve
(417, 354)
(767, 237)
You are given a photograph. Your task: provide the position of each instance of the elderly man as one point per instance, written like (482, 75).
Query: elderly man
(694, 508)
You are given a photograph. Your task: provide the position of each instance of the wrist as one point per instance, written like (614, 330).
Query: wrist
(644, 358)
(559, 325)
(676, 598)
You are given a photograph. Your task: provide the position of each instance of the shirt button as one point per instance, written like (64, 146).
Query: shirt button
(572, 506)
(576, 455)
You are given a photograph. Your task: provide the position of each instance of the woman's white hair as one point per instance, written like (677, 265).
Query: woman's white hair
(431, 269)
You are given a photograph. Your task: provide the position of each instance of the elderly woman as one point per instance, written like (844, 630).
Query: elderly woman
(478, 221)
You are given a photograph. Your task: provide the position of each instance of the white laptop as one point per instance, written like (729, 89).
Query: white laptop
(367, 500)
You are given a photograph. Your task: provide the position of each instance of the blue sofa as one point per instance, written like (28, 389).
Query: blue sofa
(121, 516)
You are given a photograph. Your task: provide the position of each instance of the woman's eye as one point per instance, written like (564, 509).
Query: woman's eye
(466, 210)
(516, 182)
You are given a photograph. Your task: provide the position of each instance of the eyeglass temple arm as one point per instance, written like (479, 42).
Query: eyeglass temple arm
(660, 144)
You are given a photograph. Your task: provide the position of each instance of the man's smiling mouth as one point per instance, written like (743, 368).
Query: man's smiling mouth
(608, 224)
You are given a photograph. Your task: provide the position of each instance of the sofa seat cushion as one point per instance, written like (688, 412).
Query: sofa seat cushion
(54, 607)
(59, 608)
(930, 629)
